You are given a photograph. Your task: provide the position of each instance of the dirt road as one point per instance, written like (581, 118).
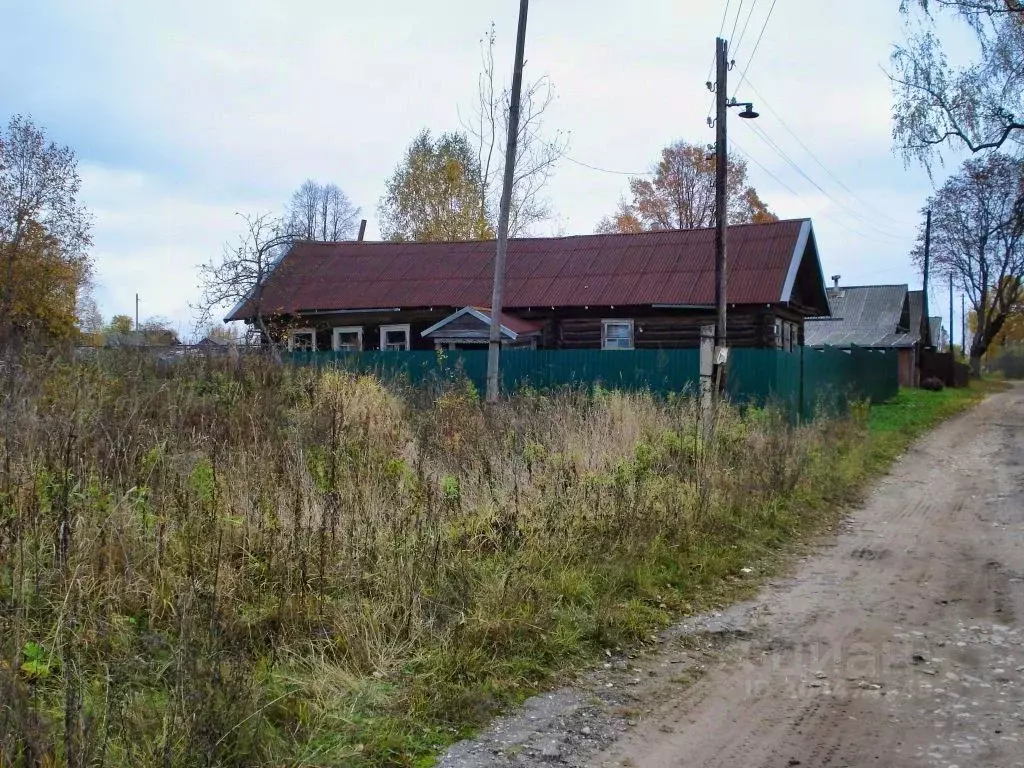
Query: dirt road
(900, 643)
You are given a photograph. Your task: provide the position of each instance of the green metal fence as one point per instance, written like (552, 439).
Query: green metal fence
(806, 383)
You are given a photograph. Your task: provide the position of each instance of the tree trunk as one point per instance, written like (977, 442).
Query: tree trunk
(975, 364)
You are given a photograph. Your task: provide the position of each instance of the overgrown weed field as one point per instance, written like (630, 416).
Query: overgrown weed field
(239, 564)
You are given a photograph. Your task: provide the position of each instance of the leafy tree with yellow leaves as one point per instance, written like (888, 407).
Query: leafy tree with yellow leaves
(434, 193)
(44, 232)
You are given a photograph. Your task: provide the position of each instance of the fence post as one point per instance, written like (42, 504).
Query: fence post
(707, 352)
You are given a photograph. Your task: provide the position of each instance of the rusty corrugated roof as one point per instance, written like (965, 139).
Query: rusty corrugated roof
(667, 267)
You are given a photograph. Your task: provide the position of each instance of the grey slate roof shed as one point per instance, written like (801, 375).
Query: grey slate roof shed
(879, 316)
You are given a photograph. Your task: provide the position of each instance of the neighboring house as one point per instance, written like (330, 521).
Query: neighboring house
(628, 291)
(213, 342)
(158, 337)
(939, 335)
(875, 317)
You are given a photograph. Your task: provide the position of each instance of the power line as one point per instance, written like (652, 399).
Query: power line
(743, 33)
(764, 137)
(867, 206)
(823, 214)
(754, 160)
(607, 170)
(736, 23)
(757, 45)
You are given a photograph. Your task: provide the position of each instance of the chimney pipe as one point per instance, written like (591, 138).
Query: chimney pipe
(835, 280)
(362, 230)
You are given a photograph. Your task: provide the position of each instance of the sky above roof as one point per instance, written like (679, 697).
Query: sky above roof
(184, 114)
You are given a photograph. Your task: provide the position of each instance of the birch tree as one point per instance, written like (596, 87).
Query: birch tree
(977, 106)
(320, 212)
(433, 194)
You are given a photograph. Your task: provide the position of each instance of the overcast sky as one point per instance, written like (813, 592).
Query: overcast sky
(184, 113)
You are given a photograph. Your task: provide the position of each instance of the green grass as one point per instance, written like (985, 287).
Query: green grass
(893, 426)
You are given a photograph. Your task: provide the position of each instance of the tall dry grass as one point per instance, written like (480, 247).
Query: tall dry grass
(248, 564)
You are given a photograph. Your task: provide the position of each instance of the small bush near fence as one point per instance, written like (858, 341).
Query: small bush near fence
(804, 384)
(243, 564)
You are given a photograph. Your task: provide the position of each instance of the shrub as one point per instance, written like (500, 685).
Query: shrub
(932, 384)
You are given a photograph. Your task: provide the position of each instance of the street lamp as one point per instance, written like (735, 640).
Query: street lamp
(748, 113)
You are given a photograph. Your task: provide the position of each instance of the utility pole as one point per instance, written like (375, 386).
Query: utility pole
(494, 345)
(951, 314)
(927, 252)
(963, 326)
(721, 206)
(136, 312)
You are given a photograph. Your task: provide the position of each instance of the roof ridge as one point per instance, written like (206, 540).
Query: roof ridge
(646, 232)
(881, 285)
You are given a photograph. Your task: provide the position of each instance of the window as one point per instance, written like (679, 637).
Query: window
(778, 333)
(394, 337)
(787, 337)
(302, 340)
(617, 334)
(347, 339)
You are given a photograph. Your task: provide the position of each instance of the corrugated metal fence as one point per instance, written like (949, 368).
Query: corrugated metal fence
(806, 383)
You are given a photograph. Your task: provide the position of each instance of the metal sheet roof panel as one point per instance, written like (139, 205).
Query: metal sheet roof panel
(664, 267)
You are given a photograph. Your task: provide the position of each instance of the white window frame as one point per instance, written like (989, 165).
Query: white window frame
(617, 321)
(311, 332)
(385, 329)
(345, 330)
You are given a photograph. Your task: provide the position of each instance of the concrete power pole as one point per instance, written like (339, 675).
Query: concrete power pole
(721, 205)
(494, 345)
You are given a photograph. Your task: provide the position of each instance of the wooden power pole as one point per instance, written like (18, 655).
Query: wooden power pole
(927, 256)
(494, 345)
(963, 327)
(721, 206)
(951, 314)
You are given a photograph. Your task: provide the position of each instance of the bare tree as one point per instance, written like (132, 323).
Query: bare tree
(242, 271)
(979, 106)
(536, 153)
(87, 312)
(39, 187)
(320, 212)
(978, 239)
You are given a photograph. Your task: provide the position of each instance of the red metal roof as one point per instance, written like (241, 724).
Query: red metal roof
(667, 267)
(513, 323)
